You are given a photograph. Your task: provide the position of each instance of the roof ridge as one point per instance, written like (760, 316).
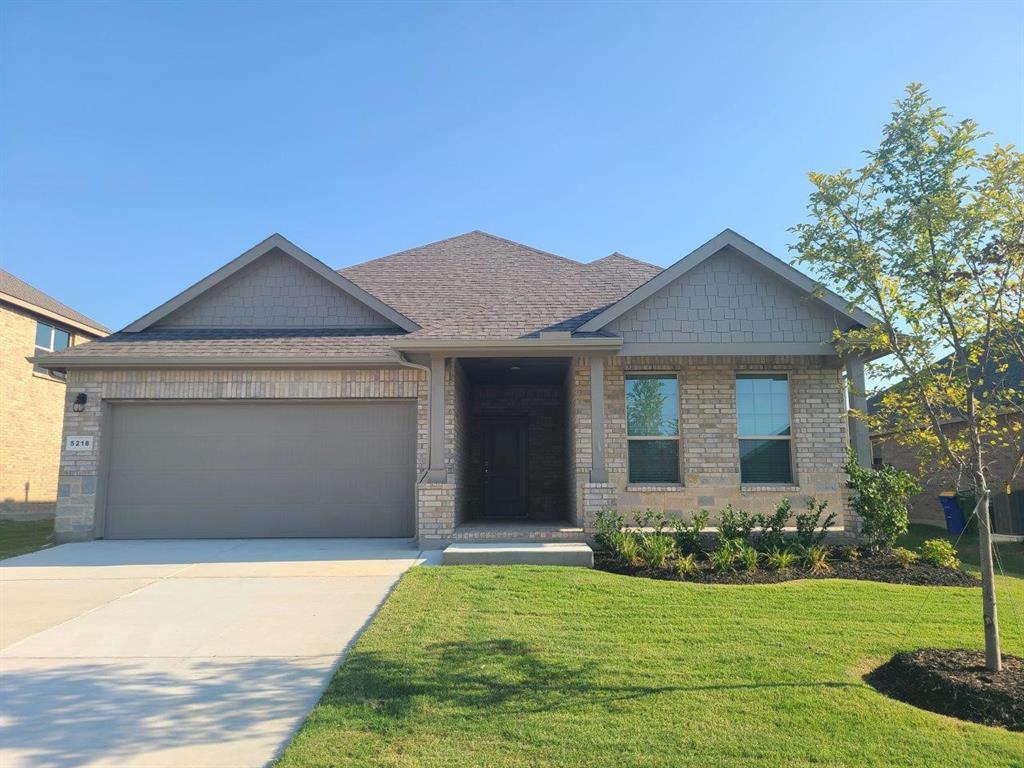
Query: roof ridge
(620, 255)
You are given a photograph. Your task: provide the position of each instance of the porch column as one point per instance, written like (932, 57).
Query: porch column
(599, 470)
(860, 439)
(437, 472)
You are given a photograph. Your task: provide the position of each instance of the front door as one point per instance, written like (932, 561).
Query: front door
(504, 467)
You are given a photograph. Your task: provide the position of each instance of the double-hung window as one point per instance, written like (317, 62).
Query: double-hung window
(652, 428)
(50, 339)
(763, 413)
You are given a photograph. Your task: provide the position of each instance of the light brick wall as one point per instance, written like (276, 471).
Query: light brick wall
(457, 435)
(31, 414)
(275, 291)
(727, 299)
(76, 507)
(709, 442)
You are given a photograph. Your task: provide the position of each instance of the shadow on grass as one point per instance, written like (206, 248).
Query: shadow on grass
(503, 677)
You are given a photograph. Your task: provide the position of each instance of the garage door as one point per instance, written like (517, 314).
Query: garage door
(243, 470)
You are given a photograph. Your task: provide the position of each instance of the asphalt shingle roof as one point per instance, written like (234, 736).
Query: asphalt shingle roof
(19, 289)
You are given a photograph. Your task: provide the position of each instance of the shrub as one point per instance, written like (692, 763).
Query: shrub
(816, 559)
(623, 547)
(904, 557)
(781, 559)
(607, 524)
(724, 557)
(772, 535)
(847, 553)
(686, 565)
(808, 532)
(880, 498)
(688, 535)
(655, 549)
(748, 557)
(939, 552)
(735, 524)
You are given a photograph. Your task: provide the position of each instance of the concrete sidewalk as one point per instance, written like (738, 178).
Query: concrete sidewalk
(177, 653)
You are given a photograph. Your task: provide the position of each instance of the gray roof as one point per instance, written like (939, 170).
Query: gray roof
(19, 289)
(479, 286)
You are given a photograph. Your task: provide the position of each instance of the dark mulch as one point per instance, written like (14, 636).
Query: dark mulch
(868, 568)
(956, 683)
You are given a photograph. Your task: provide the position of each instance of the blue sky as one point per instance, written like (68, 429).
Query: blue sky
(145, 144)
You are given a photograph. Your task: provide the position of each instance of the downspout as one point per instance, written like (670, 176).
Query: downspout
(407, 363)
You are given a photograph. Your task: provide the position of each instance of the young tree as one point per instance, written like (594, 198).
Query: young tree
(927, 237)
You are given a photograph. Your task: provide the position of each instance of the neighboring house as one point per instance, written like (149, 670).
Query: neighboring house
(1007, 509)
(473, 388)
(32, 398)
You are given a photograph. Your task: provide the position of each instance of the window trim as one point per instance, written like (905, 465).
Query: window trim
(677, 437)
(792, 482)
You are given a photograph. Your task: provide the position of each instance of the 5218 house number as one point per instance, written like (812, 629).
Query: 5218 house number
(78, 443)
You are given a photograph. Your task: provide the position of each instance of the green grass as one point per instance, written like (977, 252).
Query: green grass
(1011, 555)
(529, 666)
(18, 537)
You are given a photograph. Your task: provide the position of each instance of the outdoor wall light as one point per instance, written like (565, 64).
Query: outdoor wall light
(80, 400)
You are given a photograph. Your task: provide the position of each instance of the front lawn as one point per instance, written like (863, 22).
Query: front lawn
(18, 537)
(529, 666)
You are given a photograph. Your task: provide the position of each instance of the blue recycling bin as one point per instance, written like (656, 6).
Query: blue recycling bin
(955, 523)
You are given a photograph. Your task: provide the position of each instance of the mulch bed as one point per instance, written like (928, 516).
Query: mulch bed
(955, 683)
(868, 568)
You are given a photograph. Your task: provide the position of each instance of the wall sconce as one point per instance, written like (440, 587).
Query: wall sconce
(80, 400)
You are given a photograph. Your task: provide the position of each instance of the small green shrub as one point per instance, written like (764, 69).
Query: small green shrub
(724, 557)
(748, 557)
(847, 553)
(607, 524)
(686, 565)
(772, 536)
(655, 549)
(880, 498)
(735, 524)
(904, 557)
(781, 559)
(939, 552)
(808, 530)
(623, 546)
(816, 559)
(688, 534)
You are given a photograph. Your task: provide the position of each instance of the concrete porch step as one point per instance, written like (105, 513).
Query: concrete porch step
(519, 553)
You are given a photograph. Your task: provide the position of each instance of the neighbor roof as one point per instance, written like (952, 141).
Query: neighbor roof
(28, 296)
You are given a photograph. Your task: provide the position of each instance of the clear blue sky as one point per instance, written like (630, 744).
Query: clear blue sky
(145, 144)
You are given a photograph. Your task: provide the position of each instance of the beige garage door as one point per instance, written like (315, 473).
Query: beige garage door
(243, 470)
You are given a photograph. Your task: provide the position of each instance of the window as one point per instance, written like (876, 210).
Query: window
(652, 428)
(762, 408)
(50, 339)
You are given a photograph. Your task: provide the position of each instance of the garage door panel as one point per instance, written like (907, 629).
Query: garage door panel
(189, 470)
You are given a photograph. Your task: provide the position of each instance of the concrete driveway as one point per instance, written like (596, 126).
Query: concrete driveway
(178, 653)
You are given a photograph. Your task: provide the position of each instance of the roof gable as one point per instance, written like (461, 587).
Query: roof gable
(297, 291)
(729, 239)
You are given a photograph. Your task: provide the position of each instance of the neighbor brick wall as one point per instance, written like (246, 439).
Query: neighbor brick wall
(727, 299)
(76, 506)
(709, 441)
(275, 291)
(31, 414)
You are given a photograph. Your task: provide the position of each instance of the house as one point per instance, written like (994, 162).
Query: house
(473, 388)
(31, 397)
(1007, 509)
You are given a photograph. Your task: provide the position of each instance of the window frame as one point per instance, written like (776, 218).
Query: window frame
(677, 437)
(53, 335)
(789, 438)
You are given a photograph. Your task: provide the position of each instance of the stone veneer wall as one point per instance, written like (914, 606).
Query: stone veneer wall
(569, 395)
(709, 442)
(457, 436)
(76, 503)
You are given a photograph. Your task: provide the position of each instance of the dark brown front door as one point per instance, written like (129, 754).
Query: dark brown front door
(504, 467)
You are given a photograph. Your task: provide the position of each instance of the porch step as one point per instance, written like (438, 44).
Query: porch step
(517, 532)
(519, 553)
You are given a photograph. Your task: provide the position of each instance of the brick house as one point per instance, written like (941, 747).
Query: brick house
(473, 388)
(32, 398)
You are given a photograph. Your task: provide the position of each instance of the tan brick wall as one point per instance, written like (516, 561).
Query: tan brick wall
(76, 507)
(925, 507)
(709, 441)
(31, 413)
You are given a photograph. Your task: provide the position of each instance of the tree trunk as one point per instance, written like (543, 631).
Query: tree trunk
(993, 656)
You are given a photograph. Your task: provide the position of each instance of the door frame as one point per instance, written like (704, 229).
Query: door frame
(486, 422)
